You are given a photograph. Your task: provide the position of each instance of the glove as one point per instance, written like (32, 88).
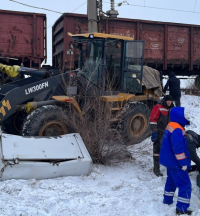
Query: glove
(198, 180)
(184, 168)
(154, 136)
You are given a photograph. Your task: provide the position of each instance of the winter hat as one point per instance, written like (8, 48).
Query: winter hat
(168, 98)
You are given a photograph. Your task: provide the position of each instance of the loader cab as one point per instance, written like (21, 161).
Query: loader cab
(113, 63)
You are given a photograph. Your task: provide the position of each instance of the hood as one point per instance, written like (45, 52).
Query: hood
(177, 115)
(172, 75)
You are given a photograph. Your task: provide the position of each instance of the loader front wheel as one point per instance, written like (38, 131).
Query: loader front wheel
(134, 123)
(46, 121)
(12, 125)
(53, 128)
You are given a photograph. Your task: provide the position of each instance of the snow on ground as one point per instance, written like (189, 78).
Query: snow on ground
(127, 189)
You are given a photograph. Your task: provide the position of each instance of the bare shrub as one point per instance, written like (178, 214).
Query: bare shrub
(103, 142)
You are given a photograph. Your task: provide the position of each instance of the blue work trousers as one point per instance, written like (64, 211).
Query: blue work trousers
(177, 178)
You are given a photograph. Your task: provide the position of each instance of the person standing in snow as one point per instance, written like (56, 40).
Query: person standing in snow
(158, 121)
(175, 156)
(193, 140)
(174, 88)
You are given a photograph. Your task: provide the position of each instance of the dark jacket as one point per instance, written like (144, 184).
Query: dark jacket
(159, 117)
(174, 150)
(174, 86)
(193, 140)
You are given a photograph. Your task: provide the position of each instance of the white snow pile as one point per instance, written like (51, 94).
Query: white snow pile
(127, 189)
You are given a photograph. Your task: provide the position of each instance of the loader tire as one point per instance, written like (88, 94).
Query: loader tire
(134, 123)
(46, 121)
(12, 125)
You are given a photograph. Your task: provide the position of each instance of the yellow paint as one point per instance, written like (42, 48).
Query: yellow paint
(112, 98)
(2, 110)
(28, 107)
(127, 96)
(4, 103)
(68, 99)
(101, 35)
(11, 71)
(8, 105)
(117, 98)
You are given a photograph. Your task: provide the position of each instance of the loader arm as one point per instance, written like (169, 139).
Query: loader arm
(23, 91)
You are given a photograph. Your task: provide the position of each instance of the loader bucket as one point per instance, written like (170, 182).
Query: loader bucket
(43, 157)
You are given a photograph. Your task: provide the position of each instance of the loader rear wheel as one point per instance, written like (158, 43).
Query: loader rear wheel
(134, 123)
(46, 121)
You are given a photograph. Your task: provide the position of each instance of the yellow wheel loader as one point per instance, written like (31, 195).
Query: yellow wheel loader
(110, 68)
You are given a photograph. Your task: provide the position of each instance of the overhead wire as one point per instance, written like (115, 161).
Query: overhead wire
(72, 11)
(195, 6)
(35, 7)
(46, 8)
(79, 6)
(158, 8)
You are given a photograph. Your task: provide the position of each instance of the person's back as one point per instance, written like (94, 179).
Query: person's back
(174, 88)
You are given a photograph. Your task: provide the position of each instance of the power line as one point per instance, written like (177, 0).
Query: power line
(46, 8)
(158, 8)
(35, 7)
(195, 6)
(168, 9)
(79, 6)
(72, 11)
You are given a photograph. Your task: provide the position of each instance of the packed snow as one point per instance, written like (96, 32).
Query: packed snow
(129, 188)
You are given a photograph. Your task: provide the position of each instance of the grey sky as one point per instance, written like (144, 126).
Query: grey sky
(125, 11)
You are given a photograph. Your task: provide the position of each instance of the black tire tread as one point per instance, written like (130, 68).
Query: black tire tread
(34, 120)
(126, 111)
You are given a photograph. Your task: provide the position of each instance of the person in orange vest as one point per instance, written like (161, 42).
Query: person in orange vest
(159, 119)
(175, 156)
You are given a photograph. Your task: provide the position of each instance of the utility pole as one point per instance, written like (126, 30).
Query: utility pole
(92, 15)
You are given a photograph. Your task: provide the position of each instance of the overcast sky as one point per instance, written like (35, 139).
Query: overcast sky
(125, 11)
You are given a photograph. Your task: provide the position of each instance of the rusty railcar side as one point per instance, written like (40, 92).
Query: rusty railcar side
(168, 46)
(22, 38)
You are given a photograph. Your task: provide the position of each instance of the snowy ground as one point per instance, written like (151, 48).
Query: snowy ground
(127, 189)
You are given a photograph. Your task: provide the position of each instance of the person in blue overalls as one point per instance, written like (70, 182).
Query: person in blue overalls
(175, 156)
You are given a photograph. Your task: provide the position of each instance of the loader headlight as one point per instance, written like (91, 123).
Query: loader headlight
(91, 36)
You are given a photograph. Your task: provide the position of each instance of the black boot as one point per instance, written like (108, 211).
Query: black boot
(156, 168)
(188, 212)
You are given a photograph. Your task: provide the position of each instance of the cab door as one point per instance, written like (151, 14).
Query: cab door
(133, 58)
